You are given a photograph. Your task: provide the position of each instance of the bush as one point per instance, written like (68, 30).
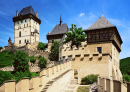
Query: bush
(21, 61)
(41, 46)
(89, 79)
(39, 56)
(32, 59)
(6, 58)
(4, 75)
(42, 63)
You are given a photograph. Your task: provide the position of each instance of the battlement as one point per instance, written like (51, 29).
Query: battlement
(36, 83)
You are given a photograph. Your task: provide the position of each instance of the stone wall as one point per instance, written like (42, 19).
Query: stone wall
(36, 83)
(110, 85)
(87, 60)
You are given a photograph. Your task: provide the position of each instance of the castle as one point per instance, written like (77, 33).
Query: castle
(98, 55)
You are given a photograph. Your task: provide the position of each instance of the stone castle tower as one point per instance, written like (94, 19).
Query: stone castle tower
(26, 27)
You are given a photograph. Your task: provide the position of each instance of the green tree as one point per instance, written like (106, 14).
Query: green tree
(6, 58)
(42, 63)
(21, 61)
(76, 36)
(32, 59)
(1, 48)
(54, 55)
(41, 46)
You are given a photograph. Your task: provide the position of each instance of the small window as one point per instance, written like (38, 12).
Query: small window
(93, 35)
(20, 34)
(18, 22)
(106, 34)
(25, 41)
(99, 49)
(27, 25)
(101, 35)
(21, 21)
(25, 20)
(24, 25)
(19, 41)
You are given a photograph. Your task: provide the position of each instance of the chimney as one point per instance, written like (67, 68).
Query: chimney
(17, 13)
(36, 14)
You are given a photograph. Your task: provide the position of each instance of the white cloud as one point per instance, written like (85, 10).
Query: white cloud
(81, 14)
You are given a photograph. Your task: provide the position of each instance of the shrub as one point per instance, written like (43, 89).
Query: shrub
(4, 75)
(42, 63)
(19, 75)
(89, 79)
(39, 56)
(6, 58)
(41, 46)
(21, 61)
(32, 59)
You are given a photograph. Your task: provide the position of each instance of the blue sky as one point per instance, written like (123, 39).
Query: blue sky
(83, 13)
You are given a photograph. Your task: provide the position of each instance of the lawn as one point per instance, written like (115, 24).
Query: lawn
(83, 89)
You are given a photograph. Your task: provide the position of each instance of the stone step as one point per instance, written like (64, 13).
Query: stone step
(69, 90)
(71, 87)
(74, 82)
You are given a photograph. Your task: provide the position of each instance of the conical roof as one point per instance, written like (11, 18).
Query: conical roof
(101, 23)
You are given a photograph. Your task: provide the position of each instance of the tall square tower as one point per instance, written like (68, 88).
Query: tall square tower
(26, 27)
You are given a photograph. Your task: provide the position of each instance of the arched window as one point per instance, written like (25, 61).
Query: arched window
(20, 34)
(25, 41)
(27, 25)
(24, 25)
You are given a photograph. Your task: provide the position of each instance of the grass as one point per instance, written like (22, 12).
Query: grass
(83, 89)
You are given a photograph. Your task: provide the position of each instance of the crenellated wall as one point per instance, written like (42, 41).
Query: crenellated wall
(87, 60)
(36, 83)
(110, 85)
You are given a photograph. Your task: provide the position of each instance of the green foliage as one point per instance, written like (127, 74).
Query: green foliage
(6, 58)
(39, 56)
(21, 61)
(1, 48)
(76, 36)
(19, 75)
(41, 46)
(125, 69)
(89, 79)
(54, 55)
(126, 78)
(32, 59)
(42, 63)
(5, 76)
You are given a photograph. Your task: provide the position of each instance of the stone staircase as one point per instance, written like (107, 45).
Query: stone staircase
(71, 87)
(52, 81)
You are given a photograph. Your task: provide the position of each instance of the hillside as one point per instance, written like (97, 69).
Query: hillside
(125, 68)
